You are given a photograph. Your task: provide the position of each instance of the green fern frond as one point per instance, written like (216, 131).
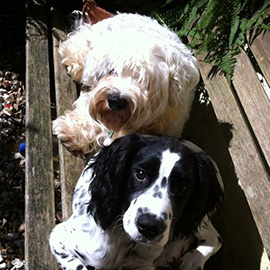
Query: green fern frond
(217, 28)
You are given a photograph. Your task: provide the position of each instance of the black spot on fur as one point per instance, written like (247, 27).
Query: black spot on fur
(79, 267)
(76, 193)
(82, 194)
(61, 254)
(79, 254)
(164, 216)
(158, 195)
(81, 210)
(89, 267)
(164, 182)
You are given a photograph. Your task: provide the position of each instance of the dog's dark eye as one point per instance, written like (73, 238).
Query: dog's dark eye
(140, 175)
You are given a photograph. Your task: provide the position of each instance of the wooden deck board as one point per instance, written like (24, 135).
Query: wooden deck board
(70, 166)
(250, 169)
(39, 190)
(254, 101)
(261, 51)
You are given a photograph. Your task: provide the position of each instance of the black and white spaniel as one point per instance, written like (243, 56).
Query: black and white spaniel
(142, 203)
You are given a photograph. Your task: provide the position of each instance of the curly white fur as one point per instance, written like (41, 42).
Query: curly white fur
(132, 58)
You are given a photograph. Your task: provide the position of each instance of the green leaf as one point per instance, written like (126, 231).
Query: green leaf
(217, 28)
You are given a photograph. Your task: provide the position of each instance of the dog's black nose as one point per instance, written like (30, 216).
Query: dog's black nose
(150, 226)
(117, 103)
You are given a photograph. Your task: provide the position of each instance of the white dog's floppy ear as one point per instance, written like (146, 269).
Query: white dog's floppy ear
(183, 79)
(74, 50)
(184, 76)
(176, 73)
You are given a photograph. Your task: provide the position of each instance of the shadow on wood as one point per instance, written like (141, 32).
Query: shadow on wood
(242, 247)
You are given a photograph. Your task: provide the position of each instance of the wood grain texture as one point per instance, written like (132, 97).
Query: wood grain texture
(39, 190)
(254, 101)
(261, 51)
(70, 166)
(249, 167)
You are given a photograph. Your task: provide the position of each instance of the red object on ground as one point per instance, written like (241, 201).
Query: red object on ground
(95, 13)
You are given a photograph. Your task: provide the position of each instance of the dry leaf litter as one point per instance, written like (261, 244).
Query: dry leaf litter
(12, 127)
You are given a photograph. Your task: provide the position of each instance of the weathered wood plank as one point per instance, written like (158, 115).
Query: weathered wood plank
(70, 166)
(250, 170)
(39, 190)
(234, 220)
(254, 101)
(261, 51)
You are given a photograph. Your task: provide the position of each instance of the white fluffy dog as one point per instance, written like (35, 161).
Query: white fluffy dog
(137, 76)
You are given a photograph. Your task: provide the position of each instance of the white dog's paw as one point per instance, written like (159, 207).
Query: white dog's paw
(69, 137)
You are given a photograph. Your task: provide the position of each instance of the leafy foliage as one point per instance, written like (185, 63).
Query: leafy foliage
(217, 28)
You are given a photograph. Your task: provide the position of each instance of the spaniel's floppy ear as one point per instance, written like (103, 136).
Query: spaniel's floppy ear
(207, 196)
(110, 174)
(210, 182)
(175, 75)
